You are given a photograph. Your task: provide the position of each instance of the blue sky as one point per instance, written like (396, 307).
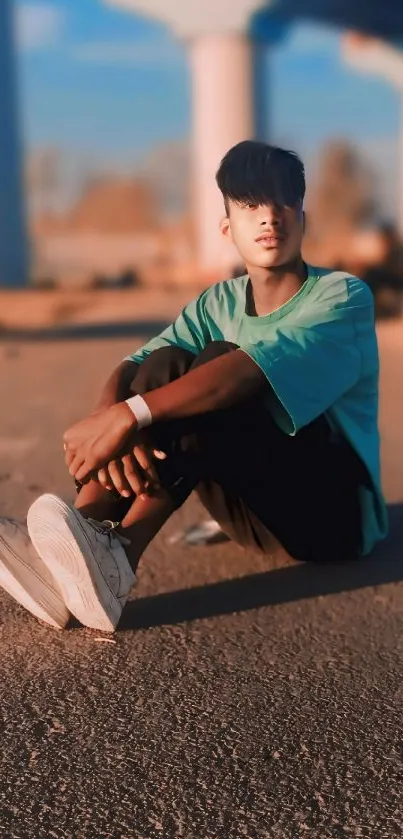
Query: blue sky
(112, 85)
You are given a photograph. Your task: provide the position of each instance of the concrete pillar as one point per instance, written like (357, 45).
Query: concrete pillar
(222, 74)
(222, 81)
(13, 246)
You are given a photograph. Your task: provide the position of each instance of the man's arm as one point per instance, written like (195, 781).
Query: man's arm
(214, 386)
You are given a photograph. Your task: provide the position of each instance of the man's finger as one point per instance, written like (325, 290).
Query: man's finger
(75, 465)
(143, 458)
(84, 472)
(133, 473)
(118, 478)
(104, 479)
(68, 457)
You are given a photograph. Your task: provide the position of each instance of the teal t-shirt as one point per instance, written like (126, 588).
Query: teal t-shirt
(318, 351)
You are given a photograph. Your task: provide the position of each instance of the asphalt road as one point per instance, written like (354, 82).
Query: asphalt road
(244, 696)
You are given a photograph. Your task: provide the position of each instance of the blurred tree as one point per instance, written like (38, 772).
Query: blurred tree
(115, 205)
(344, 191)
(167, 169)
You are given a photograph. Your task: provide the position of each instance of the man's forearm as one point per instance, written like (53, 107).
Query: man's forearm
(117, 388)
(214, 386)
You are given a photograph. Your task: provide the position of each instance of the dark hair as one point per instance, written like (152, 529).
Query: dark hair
(257, 173)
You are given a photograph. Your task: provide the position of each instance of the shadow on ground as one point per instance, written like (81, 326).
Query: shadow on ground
(85, 331)
(281, 585)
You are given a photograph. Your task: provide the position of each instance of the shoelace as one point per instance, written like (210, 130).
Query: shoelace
(108, 528)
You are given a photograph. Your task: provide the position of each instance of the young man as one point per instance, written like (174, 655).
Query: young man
(263, 395)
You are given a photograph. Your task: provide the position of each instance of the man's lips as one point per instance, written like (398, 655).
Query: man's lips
(269, 240)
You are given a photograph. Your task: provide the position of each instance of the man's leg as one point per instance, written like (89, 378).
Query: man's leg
(255, 480)
(85, 555)
(261, 485)
(182, 470)
(300, 489)
(22, 571)
(142, 518)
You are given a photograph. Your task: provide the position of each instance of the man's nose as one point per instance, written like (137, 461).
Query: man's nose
(269, 215)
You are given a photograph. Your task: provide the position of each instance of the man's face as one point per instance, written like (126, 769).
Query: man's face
(266, 235)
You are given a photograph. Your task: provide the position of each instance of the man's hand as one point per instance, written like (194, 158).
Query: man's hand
(98, 439)
(133, 472)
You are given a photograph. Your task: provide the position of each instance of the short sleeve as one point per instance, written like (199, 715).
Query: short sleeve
(189, 332)
(314, 361)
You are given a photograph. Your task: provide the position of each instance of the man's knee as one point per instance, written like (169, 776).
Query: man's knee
(169, 363)
(162, 366)
(213, 350)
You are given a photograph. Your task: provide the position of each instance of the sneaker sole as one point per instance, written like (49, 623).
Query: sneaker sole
(44, 603)
(19, 593)
(59, 538)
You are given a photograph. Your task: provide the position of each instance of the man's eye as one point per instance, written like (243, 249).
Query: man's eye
(251, 206)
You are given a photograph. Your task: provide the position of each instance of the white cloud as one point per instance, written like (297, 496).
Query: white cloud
(147, 52)
(39, 26)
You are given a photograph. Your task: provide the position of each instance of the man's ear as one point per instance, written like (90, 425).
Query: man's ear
(303, 222)
(225, 227)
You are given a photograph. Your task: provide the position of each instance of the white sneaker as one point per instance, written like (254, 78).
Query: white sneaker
(86, 558)
(26, 577)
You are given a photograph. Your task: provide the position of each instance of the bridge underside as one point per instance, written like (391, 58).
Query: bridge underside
(380, 19)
